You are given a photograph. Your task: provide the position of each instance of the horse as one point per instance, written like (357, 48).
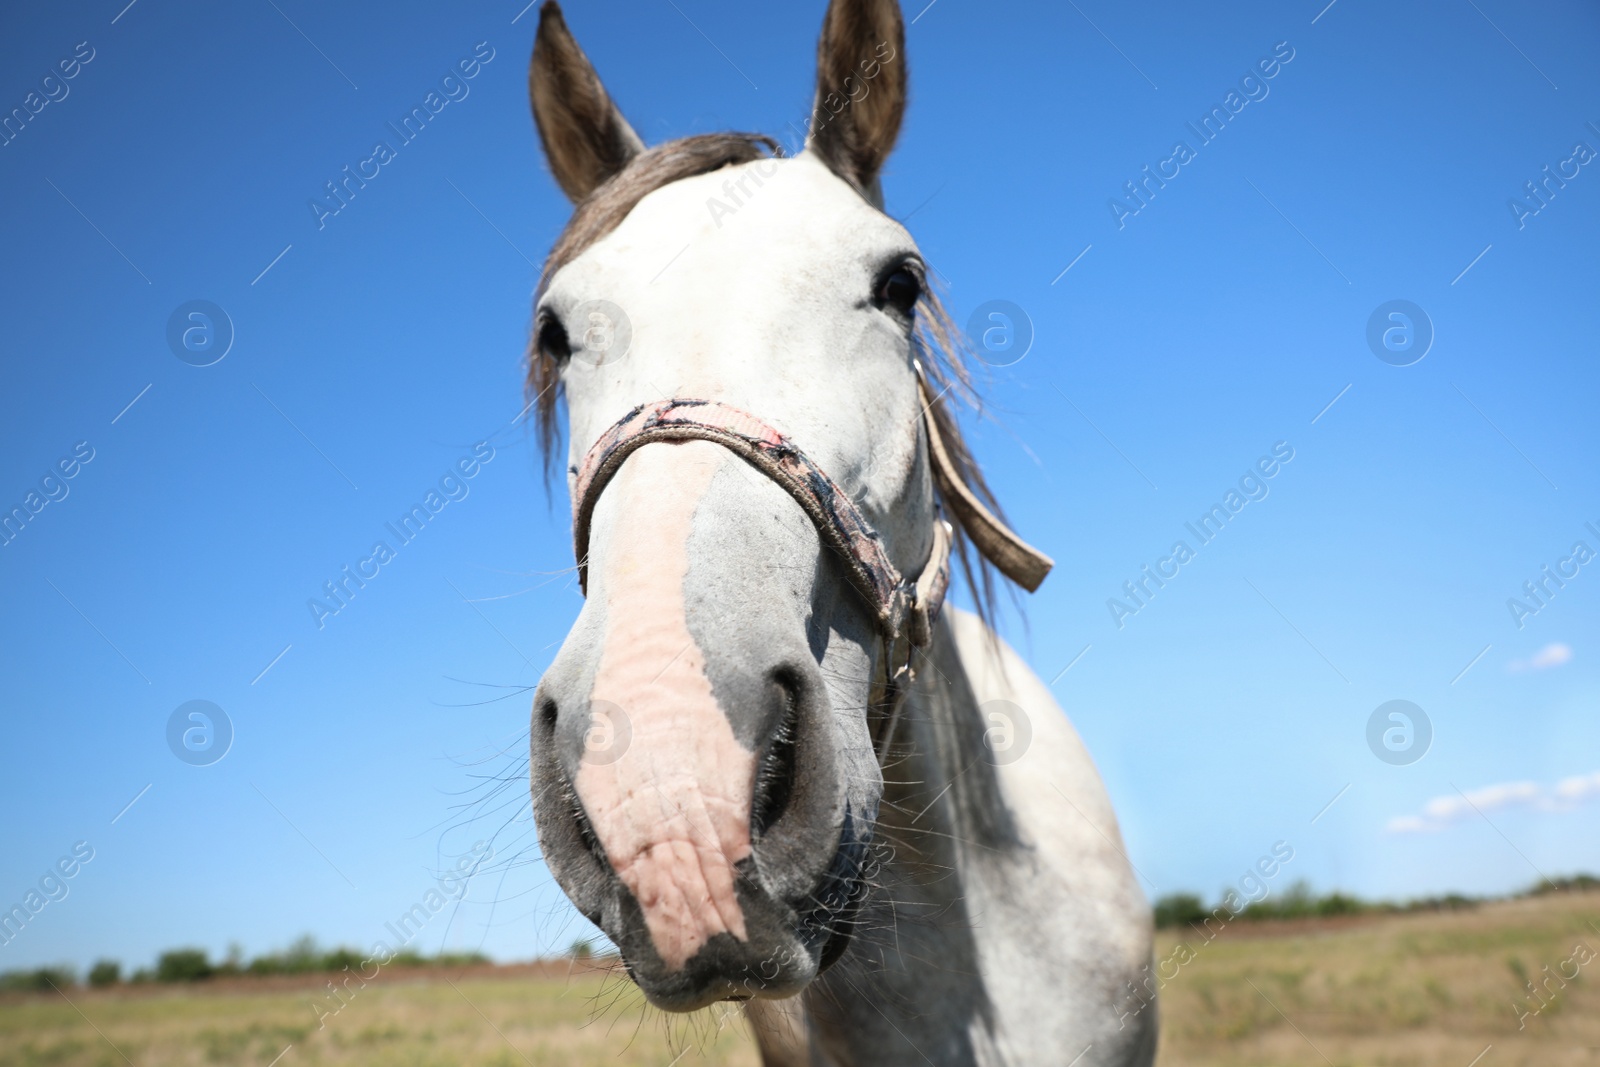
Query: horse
(764, 762)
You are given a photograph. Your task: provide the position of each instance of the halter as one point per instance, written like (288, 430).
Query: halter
(905, 609)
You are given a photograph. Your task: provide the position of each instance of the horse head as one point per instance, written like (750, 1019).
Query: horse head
(704, 770)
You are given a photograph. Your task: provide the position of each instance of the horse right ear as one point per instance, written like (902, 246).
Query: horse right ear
(586, 139)
(861, 90)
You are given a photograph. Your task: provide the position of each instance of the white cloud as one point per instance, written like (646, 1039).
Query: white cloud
(1441, 811)
(1578, 789)
(1552, 655)
(1487, 799)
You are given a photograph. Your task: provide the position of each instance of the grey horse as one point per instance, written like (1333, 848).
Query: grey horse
(763, 763)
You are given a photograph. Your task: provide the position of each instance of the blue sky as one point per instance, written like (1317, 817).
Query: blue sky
(375, 351)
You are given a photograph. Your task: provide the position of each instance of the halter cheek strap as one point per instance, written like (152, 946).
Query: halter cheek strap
(905, 609)
(1017, 559)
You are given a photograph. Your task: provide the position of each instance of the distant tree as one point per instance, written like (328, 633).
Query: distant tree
(41, 980)
(1174, 909)
(1454, 902)
(268, 964)
(303, 955)
(233, 963)
(183, 965)
(459, 959)
(1337, 903)
(340, 958)
(105, 973)
(1577, 883)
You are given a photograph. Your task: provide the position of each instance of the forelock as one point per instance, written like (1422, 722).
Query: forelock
(604, 209)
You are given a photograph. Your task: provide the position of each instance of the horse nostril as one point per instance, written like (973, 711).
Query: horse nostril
(546, 716)
(774, 786)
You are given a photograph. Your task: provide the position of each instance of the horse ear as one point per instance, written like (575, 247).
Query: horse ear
(861, 89)
(585, 137)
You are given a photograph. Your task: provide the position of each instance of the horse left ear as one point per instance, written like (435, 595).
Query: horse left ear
(585, 137)
(861, 90)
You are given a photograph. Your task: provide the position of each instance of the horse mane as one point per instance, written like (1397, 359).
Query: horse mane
(936, 341)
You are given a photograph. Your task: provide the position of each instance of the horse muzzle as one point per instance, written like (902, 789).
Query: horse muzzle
(720, 871)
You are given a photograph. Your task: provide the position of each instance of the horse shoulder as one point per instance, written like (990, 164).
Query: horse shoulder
(1080, 934)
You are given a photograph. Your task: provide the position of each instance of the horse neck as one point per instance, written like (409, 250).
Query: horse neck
(915, 941)
(942, 803)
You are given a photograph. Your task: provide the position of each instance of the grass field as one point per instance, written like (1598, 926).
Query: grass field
(1422, 989)
(1430, 990)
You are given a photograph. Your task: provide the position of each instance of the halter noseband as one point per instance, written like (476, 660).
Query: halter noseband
(905, 609)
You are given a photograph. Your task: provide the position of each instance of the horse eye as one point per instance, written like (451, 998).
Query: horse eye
(899, 290)
(553, 342)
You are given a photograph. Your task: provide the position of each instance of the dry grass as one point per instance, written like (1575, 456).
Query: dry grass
(405, 1019)
(1430, 990)
(1419, 991)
